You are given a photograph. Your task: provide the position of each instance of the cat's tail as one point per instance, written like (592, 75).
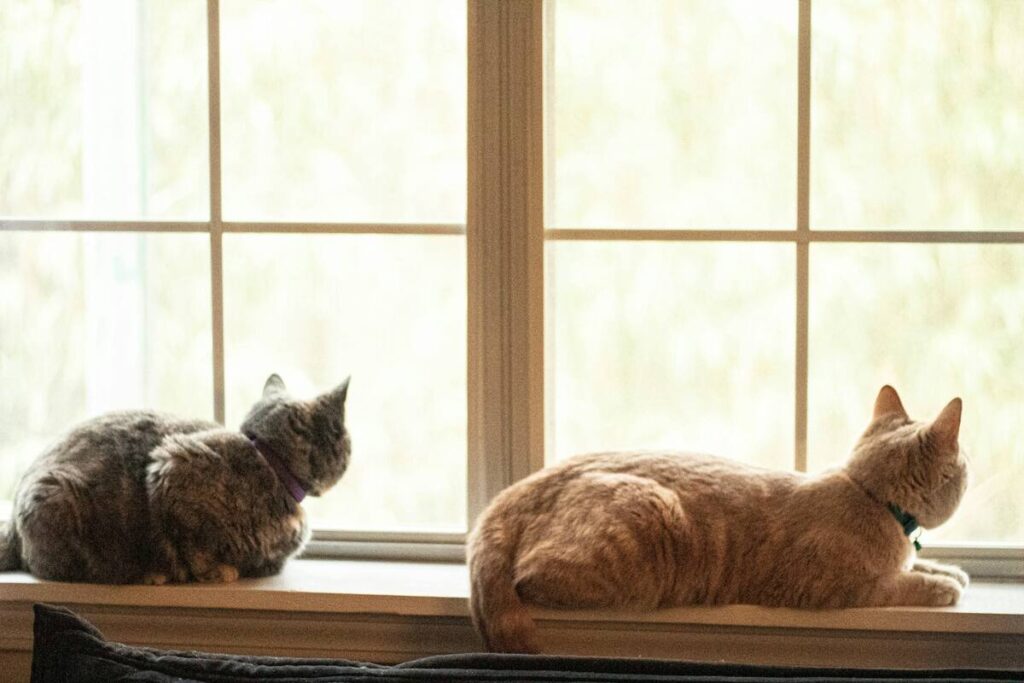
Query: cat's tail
(10, 548)
(498, 612)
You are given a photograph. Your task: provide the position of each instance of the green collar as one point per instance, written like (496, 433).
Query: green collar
(908, 522)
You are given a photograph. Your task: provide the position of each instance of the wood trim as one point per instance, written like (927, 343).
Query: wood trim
(803, 226)
(286, 227)
(216, 226)
(141, 225)
(421, 589)
(390, 638)
(504, 244)
(390, 612)
(865, 236)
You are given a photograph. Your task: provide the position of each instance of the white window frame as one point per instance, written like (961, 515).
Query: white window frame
(505, 238)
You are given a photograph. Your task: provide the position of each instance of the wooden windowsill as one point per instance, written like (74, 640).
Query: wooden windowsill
(441, 590)
(394, 611)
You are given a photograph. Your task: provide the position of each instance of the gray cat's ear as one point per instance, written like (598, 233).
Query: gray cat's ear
(946, 428)
(337, 396)
(888, 401)
(274, 385)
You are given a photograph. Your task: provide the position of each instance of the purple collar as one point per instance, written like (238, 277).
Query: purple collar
(280, 468)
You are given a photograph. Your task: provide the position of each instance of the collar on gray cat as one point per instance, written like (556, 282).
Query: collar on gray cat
(280, 468)
(907, 521)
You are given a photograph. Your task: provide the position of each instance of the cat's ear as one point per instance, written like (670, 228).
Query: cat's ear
(946, 427)
(336, 397)
(888, 401)
(274, 385)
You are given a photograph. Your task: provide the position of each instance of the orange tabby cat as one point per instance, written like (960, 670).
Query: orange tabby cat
(645, 530)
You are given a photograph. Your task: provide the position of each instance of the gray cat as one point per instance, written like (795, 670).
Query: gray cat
(143, 497)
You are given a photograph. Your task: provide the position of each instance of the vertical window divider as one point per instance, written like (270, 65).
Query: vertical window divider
(504, 246)
(803, 173)
(216, 224)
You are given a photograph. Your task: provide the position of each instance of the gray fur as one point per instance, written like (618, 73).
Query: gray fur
(141, 496)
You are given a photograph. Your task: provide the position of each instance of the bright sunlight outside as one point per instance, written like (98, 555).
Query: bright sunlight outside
(674, 114)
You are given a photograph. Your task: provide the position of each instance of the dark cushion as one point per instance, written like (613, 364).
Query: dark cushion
(67, 648)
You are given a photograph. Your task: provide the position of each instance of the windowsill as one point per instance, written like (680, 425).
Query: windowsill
(425, 589)
(324, 597)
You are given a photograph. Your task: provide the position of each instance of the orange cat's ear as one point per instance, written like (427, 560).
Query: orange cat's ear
(946, 427)
(888, 401)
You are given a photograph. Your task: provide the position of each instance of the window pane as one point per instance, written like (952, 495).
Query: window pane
(390, 311)
(104, 110)
(918, 115)
(97, 322)
(935, 322)
(682, 346)
(672, 113)
(344, 110)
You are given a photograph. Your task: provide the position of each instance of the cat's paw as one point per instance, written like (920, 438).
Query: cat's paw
(221, 573)
(154, 579)
(944, 591)
(958, 575)
(936, 569)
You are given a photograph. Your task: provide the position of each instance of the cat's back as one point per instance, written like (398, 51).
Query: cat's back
(686, 473)
(119, 436)
(106, 455)
(694, 480)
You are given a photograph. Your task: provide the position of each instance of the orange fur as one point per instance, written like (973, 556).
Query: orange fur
(643, 530)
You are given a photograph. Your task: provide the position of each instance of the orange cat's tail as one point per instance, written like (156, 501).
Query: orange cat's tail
(498, 613)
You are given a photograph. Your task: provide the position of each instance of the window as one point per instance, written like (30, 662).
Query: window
(528, 229)
(691, 277)
(194, 206)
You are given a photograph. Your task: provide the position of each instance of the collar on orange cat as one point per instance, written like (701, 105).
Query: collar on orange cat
(291, 483)
(908, 522)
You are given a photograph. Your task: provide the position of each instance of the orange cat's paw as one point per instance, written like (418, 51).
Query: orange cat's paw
(945, 591)
(936, 569)
(958, 575)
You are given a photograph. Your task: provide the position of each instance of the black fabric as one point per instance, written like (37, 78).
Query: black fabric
(68, 649)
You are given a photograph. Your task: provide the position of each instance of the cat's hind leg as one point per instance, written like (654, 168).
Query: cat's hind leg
(64, 537)
(611, 542)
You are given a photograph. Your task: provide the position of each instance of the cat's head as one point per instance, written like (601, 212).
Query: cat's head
(310, 436)
(916, 465)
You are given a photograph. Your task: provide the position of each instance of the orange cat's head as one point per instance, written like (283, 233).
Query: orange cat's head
(917, 466)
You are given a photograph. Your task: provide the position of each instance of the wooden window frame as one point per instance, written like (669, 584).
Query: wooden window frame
(505, 236)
